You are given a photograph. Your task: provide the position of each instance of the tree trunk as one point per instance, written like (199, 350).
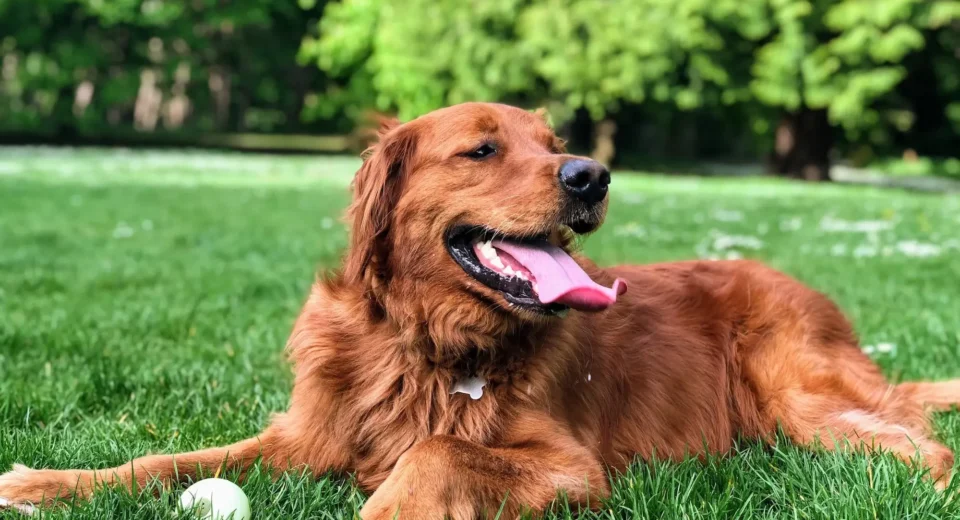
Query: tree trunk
(802, 147)
(603, 145)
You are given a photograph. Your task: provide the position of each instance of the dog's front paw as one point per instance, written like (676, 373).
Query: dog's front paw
(24, 489)
(9, 488)
(413, 507)
(25, 509)
(406, 496)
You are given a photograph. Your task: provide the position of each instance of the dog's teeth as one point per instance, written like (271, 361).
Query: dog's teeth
(488, 251)
(508, 271)
(496, 261)
(521, 276)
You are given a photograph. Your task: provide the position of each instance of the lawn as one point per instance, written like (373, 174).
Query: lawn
(145, 299)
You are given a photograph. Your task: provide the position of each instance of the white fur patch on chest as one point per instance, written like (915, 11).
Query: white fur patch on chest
(472, 386)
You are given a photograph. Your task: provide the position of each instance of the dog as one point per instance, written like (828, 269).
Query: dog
(466, 359)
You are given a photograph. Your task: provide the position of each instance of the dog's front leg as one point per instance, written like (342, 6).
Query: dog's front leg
(279, 448)
(25, 488)
(447, 477)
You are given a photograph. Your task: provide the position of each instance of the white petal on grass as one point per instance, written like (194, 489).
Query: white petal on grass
(835, 225)
(915, 249)
(726, 215)
(630, 229)
(721, 245)
(122, 231)
(880, 348)
(723, 242)
(791, 224)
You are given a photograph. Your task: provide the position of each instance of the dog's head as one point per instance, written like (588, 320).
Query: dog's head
(466, 214)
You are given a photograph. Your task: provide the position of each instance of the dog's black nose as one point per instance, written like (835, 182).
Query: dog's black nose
(585, 179)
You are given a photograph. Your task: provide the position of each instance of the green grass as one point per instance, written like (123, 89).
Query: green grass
(941, 167)
(145, 298)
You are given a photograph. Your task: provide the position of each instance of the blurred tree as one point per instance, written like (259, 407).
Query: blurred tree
(417, 55)
(929, 96)
(91, 67)
(797, 68)
(788, 78)
(829, 62)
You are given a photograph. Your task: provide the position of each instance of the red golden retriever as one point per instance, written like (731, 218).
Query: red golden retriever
(465, 358)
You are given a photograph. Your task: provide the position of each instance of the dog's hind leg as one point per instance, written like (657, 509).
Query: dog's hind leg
(937, 396)
(835, 423)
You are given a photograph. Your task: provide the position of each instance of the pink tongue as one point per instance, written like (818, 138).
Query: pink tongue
(560, 279)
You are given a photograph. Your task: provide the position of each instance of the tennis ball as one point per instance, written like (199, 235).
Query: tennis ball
(216, 499)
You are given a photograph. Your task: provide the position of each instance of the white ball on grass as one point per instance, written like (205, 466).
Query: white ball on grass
(216, 499)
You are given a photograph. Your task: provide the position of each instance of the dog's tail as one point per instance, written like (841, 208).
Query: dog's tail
(938, 396)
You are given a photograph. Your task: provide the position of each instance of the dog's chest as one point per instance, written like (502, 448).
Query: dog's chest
(397, 424)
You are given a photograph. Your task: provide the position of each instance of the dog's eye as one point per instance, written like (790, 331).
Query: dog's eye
(482, 152)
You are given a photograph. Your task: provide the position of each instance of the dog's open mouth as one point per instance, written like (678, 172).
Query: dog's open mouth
(530, 272)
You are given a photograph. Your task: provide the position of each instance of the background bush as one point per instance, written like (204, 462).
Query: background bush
(795, 81)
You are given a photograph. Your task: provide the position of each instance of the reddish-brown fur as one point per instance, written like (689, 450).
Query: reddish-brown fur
(692, 356)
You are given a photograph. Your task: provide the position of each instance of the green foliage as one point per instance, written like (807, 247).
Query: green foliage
(839, 55)
(944, 63)
(843, 55)
(418, 55)
(83, 67)
(597, 57)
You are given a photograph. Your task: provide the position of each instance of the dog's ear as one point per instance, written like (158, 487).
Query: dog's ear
(559, 145)
(376, 191)
(543, 113)
(385, 124)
